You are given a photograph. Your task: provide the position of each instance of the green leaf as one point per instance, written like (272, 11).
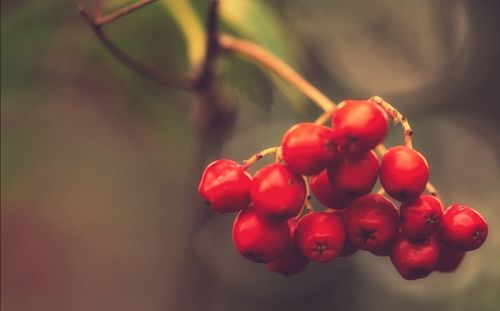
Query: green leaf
(248, 80)
(189, 23)
(256, 21)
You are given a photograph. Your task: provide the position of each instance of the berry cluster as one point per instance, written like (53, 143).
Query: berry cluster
(276, 224)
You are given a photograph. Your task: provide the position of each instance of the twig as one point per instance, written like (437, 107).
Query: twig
(126, 59)
(324, 117)
(396, 117)
(259, 155)
(434, 192)
(381, 149)
(307, 207)
(102, 20)
(255, 52)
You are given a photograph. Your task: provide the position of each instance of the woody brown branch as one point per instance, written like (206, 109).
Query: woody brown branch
(102, 20)
(201, 80)
(128, 60)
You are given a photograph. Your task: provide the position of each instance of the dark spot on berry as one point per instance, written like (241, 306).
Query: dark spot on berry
(207, 202)
(291, 182)
(477, 236)
(351, 138)
(367, 235)
(320, 248)
(254, 256)
(432, 219)
(351, 193)
(403, 194)
(329, 144)
(420, 272)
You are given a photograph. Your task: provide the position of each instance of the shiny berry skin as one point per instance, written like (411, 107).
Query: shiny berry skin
(449, 259)
(355, 175)
(277, 192)
(320, 236)
(225, 186)
(421, 218)
(462, 228)
(403, 173)
(308, 148)
(415, 259)
(260, 239)
(292, 261)
(348, 248)
(362, 124)
(372, 222)
(328, 194)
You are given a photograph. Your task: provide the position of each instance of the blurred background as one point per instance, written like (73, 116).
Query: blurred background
(100, 166)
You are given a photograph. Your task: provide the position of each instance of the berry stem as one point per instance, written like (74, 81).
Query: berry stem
(433, 191)
(324, 117)
(380, 149)
(307, 203)
(396, 117)
(279, 155)
(270, 61)
(259, 155)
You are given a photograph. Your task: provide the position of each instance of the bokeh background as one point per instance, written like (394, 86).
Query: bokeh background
(99, 166)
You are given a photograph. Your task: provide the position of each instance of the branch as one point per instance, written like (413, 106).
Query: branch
(123, 57)
(212, 48)
(268, 60)
(101, 20)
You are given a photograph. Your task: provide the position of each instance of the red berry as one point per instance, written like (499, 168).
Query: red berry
(415, 259)
(328, 194)
(320, 236)
(292, 261)
(384, 252)
(348, 248)
(225, 186)
(372, 222)
(421, 218)
(260, 239)
(308, 148)
(462, 228)
(276, 191)
(449, 259)
(355, 175)
(362, 124)
(403, 173)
